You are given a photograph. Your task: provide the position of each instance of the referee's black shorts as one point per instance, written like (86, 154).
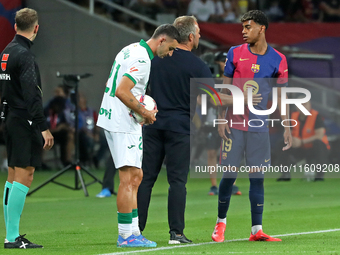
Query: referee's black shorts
(24, 142)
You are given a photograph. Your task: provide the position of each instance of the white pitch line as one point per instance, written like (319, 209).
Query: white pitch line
(227, 241)
(312, 232)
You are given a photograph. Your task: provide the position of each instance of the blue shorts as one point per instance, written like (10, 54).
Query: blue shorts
(254, 146)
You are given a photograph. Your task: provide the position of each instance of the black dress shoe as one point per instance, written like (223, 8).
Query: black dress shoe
(176, 239)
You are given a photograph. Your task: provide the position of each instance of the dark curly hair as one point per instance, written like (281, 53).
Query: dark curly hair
(257, 16)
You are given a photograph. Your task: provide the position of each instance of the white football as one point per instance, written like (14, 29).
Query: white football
(147, 102)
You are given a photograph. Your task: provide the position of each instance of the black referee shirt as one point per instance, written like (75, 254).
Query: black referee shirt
(20, 83)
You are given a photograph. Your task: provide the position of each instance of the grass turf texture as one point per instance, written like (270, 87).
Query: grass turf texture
(66, 222)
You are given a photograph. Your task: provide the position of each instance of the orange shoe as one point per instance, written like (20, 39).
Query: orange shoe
(235, 190)
(260, 236)
(218, 234)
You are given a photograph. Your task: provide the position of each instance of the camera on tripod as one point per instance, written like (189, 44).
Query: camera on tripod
(72, 81)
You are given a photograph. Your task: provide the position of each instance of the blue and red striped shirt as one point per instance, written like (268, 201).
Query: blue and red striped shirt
(262, 73)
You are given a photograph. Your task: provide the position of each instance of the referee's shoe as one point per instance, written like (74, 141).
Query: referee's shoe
(21, 243)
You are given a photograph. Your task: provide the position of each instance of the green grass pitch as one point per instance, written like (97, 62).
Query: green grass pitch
(67, 222)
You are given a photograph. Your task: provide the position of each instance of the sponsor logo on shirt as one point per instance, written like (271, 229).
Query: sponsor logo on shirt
(133, 69)
(126, 53)
(251, 84)
(4, 64)
(5, 57)
(105, 112)
(5, 77)
(244, 59)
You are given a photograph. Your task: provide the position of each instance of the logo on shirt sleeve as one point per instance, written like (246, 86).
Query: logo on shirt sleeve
(133, 69)
(4, 63)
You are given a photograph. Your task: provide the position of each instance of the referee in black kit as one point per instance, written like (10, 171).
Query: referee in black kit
(25, 124)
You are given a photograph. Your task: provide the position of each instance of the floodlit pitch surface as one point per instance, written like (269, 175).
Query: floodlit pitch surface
(304, 214)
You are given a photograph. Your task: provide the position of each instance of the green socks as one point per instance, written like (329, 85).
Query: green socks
(7, 191)
(128, 224)
(134, 213)
(135, 227)
(15, 205)
(125, 224)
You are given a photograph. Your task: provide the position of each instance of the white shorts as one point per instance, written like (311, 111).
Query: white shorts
(126, 149)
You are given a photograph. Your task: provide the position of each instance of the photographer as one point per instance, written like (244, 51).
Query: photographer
(310, 142)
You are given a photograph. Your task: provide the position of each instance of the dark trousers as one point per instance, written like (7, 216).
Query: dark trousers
(109, 175)
(86, 146)
(176, 147)
(318, 154)
(61, 138)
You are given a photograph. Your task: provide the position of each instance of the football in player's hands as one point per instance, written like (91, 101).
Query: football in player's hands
(148, 103)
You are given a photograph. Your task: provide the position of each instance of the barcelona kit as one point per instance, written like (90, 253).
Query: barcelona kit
(249, 132)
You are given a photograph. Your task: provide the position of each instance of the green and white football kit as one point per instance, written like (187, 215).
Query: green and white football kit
(123, 134)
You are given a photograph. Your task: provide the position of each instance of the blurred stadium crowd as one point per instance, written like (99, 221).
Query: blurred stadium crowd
(230, 10)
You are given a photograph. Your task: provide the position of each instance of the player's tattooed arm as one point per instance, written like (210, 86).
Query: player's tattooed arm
(123, 92)
(138, 105)
(143, 110)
